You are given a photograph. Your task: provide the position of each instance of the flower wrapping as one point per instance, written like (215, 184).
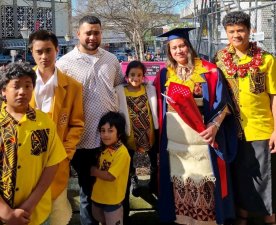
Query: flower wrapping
(182, 100)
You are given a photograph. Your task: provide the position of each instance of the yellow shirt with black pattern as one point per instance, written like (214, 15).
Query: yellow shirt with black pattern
(252, 96)
(36, 146)
(116, 162)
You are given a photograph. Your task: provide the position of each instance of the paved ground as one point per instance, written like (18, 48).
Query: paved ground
(142, 208)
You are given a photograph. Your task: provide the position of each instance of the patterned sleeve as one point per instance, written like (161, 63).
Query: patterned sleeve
(218, 60)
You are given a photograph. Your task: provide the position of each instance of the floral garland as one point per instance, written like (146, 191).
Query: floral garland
(242, 70)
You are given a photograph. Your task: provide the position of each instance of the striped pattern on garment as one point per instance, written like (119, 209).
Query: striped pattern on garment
(139, 115)
(8, 154)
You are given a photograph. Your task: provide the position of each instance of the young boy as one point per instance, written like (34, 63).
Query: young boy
(112, 172)
(61, 97)
(30, 151)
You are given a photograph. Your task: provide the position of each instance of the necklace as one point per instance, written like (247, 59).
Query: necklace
(194, 78)
(241, 71)
(184, 72)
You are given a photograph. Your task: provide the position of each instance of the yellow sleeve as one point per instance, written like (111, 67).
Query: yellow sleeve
(76, 122)
(270, 66)
(56, 149)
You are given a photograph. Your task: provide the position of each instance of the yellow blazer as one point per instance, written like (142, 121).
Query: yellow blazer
(67, 113)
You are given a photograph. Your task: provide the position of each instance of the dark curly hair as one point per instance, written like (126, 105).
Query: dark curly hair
(16, 70)
(235, 18)
(135, 64)
(117, 120)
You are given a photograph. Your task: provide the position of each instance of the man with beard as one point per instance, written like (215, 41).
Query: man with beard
(99, 71)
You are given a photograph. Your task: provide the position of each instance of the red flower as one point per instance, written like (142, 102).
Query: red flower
(242, 70)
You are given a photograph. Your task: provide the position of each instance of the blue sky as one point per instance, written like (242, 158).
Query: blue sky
(181, 6)
(177, 9)
(74, 5)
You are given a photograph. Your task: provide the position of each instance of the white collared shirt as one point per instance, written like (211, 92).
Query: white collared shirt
(99, 74)
(44, 92)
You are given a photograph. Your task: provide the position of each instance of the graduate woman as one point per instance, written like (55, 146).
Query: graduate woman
(195, 185)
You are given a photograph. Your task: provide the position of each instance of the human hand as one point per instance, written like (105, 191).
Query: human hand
(18, 217)
(26, 207)
(209, 134)
(272, 142)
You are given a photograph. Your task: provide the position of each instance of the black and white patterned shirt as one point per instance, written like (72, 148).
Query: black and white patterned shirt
(99, 74)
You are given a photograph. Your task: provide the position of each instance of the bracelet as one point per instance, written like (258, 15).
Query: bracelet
(217, 125)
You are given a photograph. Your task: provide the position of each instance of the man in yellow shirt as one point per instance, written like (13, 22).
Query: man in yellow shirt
(30, 151)
(251, 75)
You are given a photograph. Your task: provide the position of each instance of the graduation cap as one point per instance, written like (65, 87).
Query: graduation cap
(178, 33)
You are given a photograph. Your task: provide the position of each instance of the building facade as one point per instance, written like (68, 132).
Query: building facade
(52, 15)
(210, 35)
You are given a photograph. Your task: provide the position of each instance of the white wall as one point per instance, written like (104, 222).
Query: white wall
(62, 22)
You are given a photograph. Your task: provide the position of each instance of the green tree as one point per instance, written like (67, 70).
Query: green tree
(135, 17)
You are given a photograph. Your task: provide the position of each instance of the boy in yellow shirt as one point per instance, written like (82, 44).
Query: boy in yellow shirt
(112, 174)
(30, 151)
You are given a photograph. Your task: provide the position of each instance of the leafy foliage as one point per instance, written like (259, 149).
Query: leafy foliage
(135, 18)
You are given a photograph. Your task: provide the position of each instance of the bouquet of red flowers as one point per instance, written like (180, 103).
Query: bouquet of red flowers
(182, 100)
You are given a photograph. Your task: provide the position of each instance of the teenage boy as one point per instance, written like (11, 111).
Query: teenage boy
(251, 75)
(30, 151)
(61, 97)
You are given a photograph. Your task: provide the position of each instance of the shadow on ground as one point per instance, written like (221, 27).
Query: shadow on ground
(143, 217)
(142, 207)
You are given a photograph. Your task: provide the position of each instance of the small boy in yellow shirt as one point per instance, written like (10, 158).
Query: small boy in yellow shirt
(112, 174)
(30, 151)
